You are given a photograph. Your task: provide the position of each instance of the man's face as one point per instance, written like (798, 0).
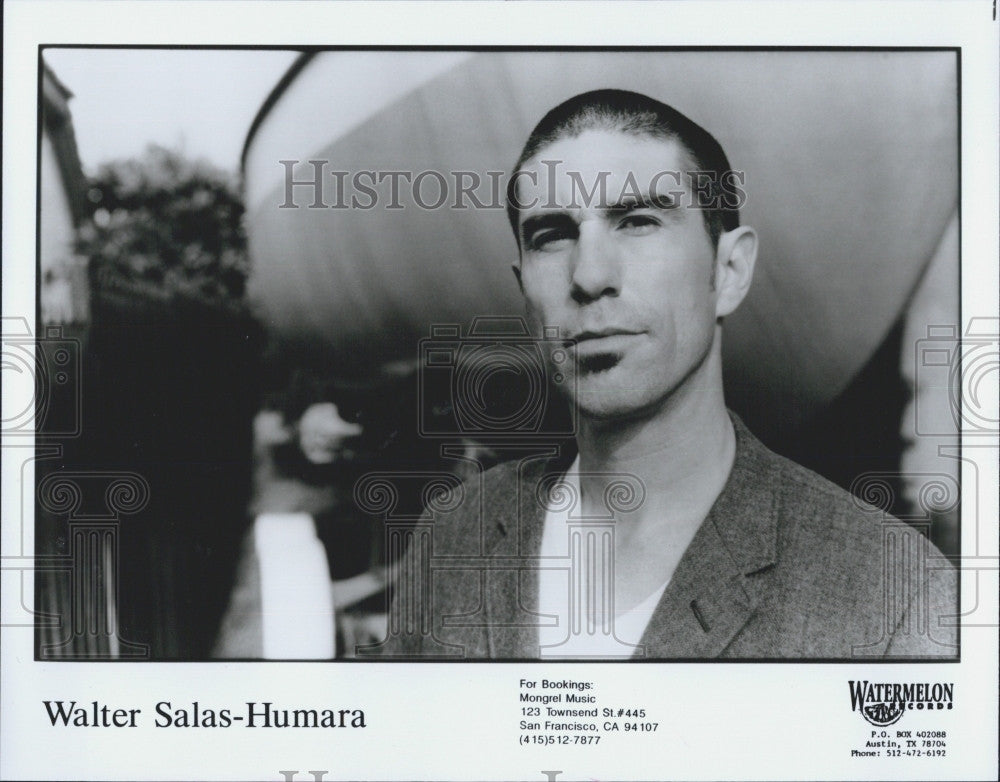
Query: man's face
(629, 277)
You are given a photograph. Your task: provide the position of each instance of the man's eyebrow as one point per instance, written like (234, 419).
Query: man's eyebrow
(631, 201)
(544, 220)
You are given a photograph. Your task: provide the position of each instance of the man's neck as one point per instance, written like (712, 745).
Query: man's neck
(682, 452)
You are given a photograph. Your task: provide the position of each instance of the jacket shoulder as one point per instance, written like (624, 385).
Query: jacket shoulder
(851, 570)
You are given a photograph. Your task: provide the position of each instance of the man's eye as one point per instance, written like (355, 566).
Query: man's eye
(549, 238)
(638, 224)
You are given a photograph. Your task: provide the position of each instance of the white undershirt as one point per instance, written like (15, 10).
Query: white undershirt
(604, 635)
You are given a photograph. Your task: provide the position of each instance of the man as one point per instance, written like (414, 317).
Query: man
(626, 217)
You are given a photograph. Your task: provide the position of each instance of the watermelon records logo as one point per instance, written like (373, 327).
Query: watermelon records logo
(883, 703)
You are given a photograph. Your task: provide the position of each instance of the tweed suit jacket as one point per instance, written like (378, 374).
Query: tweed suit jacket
(785, 566)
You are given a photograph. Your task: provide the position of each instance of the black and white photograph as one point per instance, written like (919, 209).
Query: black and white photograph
(398, 406)
(543, 380)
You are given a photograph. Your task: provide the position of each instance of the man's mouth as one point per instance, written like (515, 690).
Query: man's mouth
(597, 362)
(608, 341)
(588, 335)
(600, 349)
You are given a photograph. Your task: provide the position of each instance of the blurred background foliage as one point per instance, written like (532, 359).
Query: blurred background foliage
(165, 221)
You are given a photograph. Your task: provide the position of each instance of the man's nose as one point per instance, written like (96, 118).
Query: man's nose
(596, 266)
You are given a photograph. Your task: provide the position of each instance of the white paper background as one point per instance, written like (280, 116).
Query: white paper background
(459, 721)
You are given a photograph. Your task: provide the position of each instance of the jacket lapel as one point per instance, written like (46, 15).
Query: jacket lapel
(705, 605)
(709, 598)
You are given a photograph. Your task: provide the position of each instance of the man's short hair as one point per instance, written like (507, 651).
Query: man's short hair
(634, 114)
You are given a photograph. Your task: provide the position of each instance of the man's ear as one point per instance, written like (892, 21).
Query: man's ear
(734, 265)
(516, 268)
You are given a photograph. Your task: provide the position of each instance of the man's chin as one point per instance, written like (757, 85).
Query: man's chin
(609, 396)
